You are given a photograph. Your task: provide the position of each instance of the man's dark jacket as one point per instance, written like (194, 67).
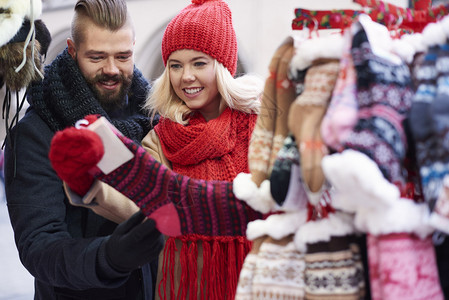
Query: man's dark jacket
(58, 243)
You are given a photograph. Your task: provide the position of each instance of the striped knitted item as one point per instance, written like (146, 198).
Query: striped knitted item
(333, 270)
(203, 207)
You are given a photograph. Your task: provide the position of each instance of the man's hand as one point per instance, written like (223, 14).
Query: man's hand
(133, 243)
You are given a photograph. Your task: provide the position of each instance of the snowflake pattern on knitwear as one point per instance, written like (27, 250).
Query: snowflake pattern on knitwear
(384, 97)
(275, 271)
(334, 269)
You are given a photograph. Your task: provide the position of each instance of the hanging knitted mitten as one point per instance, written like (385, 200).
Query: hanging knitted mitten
(439, 111)
(260, 148)
(285, 95)
(426, 77)
(273, 269)
(341, 115)
(178, 204)
(384, 97)
(428, 150)
(439, 108)
(305, 117)
(334, 270)
(402, 266)
(280, 177)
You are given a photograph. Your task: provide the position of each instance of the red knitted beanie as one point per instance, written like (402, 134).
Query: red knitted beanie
(206, 26)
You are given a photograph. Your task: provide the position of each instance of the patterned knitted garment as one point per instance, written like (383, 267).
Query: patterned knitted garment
(334, 270)
(274, 269)
(384, 97)
(402, 266)
(267, 138)
(63, 97)
(213, 150)
(341, 114)
(203, 207)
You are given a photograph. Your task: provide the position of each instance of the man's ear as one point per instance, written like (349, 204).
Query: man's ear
(71, 48)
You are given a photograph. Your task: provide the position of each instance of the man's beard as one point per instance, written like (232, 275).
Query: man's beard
(110, 100)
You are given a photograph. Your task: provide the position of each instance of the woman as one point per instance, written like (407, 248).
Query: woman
(206, 120)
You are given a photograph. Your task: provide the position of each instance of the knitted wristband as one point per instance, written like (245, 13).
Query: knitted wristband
(202, 207)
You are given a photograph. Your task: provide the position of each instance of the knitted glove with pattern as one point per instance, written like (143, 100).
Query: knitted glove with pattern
(178, 204)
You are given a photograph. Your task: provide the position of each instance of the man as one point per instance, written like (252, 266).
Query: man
(72, 252)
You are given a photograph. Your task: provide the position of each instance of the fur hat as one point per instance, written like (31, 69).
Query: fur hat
(12, 15)
(17, 21)
(206, 26)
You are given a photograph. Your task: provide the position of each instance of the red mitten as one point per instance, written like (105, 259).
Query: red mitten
(73, 152)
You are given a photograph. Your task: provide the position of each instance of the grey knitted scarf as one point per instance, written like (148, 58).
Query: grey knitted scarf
(63, 97)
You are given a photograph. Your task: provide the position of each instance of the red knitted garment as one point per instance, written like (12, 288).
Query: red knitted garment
(214, 150)
(65, 157)
(205, 26)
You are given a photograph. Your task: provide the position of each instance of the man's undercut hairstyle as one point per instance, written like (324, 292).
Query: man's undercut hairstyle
(109, 14)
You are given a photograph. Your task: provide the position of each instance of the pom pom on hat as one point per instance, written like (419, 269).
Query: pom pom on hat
(206, 26)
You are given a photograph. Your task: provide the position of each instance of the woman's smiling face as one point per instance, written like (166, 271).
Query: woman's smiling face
(193, 78)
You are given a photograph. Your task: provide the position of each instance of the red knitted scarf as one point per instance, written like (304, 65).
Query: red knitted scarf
(214, 150)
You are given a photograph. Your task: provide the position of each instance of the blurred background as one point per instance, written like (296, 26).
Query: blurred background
(261, 25)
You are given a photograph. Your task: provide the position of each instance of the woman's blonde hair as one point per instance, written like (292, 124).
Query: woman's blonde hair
(241, 93)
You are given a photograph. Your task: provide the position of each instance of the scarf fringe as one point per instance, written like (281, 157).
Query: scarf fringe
(183, 260)
(207, 257)
(193, 270)
(168, 267)
(222, 258)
